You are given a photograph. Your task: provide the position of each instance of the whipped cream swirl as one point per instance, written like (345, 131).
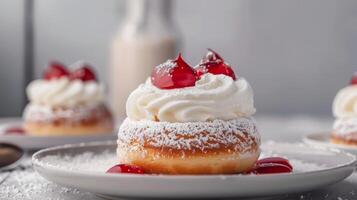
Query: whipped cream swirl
(345, 103)
(64, 92)
(213, 97)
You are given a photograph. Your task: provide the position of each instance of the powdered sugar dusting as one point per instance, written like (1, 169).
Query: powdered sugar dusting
(42, 113)
(86, 161)
(28, 185)
(241, 133)
(347, 128)
(165, 67)
(298, 165)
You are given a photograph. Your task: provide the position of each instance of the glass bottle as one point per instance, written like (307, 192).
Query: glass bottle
(147, 38)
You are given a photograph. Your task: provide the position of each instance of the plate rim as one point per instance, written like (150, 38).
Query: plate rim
(307, 139)
(38, 164)
(36, 142)
(19, 121)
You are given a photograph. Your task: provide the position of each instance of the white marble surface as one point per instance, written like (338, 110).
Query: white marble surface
(26, 184)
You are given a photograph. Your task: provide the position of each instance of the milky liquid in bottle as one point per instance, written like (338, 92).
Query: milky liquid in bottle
(132, 65)
(148, 37)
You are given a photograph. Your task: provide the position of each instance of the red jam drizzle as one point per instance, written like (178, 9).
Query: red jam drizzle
(14, 131)
(272, 165)
(126, 169)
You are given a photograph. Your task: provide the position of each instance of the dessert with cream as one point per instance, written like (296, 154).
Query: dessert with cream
(186, 120)
(67, 103)
(345, 112)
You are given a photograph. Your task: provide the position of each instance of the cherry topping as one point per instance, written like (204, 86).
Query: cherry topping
(213, 63)
(126, 169)
(354, 79)
(276, 160)
(173, 74)
(272, 165)
(84, 72)
(271, 168)
(55, 70)
(15, 130)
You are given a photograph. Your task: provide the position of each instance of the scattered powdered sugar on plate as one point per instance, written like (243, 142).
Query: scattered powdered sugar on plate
(97, 159)
(28, 185)
(102, 161)
(84, 162)
(298, 165)
(301, 166)
(5, 126)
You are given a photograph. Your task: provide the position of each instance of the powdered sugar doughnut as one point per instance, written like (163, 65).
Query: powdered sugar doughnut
(44, 120)
(345, 131)
(345, 111)
(216, 147)
(177, 126)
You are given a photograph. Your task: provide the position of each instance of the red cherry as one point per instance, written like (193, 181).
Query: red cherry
(275, 160)
(55, 70)
(173, 74)
(14, 131)
(126, 169)
(354, 79)
(213, 63)
(84, 72)
(271, 168)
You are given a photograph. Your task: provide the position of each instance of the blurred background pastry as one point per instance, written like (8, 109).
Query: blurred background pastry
(345, 112)
(67, 102)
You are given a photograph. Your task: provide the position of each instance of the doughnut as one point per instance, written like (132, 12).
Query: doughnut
(213, 147)
(338, 139)
(344, 110)
(193, 121)
(42, 120)
(345, 132)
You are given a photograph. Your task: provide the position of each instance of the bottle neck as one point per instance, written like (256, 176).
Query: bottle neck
(149, 10)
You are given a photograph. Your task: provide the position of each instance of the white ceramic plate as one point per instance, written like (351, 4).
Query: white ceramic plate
(323, 140)
(83, 166)
(40, 142)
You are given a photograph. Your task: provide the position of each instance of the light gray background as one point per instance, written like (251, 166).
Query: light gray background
(295, 53)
